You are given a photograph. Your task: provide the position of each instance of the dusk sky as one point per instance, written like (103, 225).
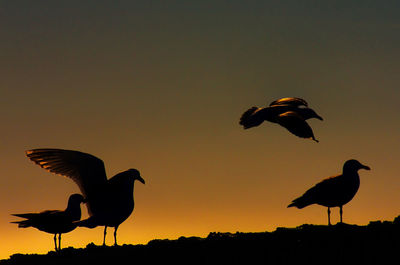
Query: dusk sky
(160, 86)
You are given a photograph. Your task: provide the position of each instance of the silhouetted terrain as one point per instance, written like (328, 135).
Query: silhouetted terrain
(376, 243)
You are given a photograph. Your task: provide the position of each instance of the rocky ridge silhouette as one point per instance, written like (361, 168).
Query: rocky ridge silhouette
(375, 243)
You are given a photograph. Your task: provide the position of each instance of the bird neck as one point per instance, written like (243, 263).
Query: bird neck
(74, 210)
(130, 185)
(125, 189)
(351, 175)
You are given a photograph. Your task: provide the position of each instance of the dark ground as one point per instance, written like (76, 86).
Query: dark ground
(376, 243)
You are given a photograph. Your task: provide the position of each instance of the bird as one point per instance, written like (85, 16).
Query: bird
(290, 113)
(54, 221)
(334, 191)
(109, 201)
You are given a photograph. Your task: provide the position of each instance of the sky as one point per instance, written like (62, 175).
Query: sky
(160, 86)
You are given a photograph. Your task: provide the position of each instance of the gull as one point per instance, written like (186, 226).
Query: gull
(334, 191)
(109, 201)
(290, 113)
(54, 221)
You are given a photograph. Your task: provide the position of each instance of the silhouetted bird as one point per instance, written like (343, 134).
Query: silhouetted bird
(286, 112)
(54, 221)
(334, 191)
(110, 202)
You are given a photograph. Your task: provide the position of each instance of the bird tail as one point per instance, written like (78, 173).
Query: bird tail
(300, 203)
(245, 120)
(22, 224)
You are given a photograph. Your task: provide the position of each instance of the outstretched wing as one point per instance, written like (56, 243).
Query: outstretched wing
(86, 170)
(296, 125)
(290, 101)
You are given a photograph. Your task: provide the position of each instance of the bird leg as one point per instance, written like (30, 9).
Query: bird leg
(341, 213)
(59, 241)
(104, 238)
(115, 236)
(329, 216)
(55, 241)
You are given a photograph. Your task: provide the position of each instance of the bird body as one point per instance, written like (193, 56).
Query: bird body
(110, 201)
(110, 214)
(286, 112)
(54, 221)
(334, 191)
(331, 192)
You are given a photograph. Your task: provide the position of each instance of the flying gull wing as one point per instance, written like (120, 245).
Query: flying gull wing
(290, 101)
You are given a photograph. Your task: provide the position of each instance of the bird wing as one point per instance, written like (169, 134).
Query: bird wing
(322, 192)
(34, 215)
(86, 170)
(25, 215)
(290, 101)
(33, 219)
(295, 123)
(50, 221)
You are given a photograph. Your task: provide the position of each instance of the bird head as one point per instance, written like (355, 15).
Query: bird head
(308, 113)
(136, 175)
(354, 165)
(76, 199)
(74, 207)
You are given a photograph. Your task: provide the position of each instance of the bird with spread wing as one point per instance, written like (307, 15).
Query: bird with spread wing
(290, 113)
(109, 201)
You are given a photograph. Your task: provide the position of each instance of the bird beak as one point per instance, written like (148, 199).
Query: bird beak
(319, 118)
(141, 180)
(365, 167)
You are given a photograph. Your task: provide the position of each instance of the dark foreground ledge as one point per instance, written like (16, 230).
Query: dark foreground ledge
(376, 243)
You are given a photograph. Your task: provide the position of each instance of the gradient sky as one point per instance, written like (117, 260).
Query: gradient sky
(160, 86)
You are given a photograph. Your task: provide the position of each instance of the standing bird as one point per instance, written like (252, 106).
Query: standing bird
(109, 201)
(290, 113)
(334, 191)
(54, 221)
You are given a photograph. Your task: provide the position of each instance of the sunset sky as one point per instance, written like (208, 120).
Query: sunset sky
(160, 86)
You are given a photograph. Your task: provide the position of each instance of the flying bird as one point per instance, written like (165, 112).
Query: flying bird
(109, 201)
(334, 191)
(290, 113)
(54, 221)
